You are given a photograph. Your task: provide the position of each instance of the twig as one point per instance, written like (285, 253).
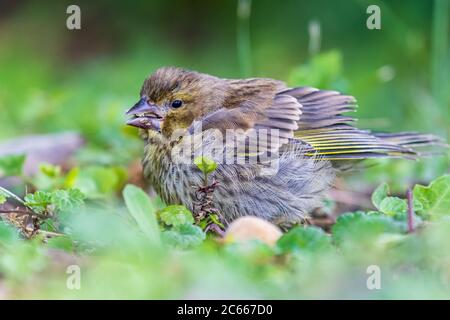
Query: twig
(15, 211)
(409, 197)
(24, 211)
(12, 195)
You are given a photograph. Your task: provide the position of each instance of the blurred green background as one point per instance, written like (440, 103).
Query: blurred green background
(53, 79)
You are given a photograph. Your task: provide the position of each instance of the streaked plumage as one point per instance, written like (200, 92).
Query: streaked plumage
(314, 134)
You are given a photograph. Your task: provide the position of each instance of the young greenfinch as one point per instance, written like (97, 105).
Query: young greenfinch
(278, 149)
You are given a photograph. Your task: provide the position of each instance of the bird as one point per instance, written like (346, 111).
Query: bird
(308, 137)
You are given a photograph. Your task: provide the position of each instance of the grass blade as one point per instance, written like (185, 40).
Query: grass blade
(142, 210)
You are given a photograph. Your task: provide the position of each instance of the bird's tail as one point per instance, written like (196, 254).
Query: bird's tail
(351, 143)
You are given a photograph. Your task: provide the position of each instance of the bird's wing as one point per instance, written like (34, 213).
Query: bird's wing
(258, 129)
(325, 127)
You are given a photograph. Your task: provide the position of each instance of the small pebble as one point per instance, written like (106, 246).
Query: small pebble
(252, 228)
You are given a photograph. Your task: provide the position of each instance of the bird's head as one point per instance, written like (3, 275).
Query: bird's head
(172, 98)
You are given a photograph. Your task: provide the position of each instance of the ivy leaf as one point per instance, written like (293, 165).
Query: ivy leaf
(396, 207)
(11, 165)
(304, 239)
(358, 226)
(176, 215)
(435, 197)
(380, 193)
(143, 212)
(184, 236)
(392, 206)
(205, 164)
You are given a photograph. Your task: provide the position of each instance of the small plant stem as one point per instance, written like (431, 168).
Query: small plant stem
(409, 197)
(12, 195)
(206, 208)
(314, 37)
(215, 228)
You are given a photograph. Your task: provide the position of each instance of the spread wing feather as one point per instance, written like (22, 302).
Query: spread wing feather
(330, 133)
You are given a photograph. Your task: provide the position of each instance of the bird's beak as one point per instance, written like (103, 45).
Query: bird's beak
(145, 115)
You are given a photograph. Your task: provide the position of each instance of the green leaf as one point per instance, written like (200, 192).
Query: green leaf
(67, 199)
(61, 242)
(215, 219)
(205, 164)
(358, 227)
(184, 236)
(38, 201)
(381, 192)
(386, 240)
(11, 165)
(61, 199)
(304, 239)
(176, 215)
(71, 177)
(50, 170)
(8, 234)
(23, 261)
(393, 205)
(212, 218)
(47, 178)
(99, 181)
(3, 197)
(143, 212)
(435, 197)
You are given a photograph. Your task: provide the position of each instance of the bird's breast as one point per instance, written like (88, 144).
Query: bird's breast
(174, 182)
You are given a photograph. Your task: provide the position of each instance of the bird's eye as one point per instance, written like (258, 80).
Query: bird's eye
(177, 103)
